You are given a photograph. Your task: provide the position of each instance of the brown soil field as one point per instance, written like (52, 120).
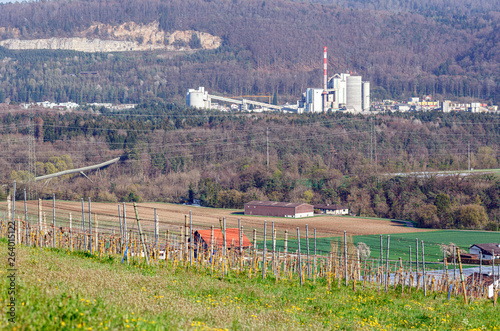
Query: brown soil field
(172, 217)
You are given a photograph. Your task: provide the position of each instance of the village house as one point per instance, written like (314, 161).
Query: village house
(332, 209)
(483, 281)
(486, 250)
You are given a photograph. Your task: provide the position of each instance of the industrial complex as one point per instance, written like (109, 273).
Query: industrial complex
(341, 92)
(345, 92)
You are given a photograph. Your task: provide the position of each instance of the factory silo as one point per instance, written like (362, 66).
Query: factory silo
(353, 94)
(366, 96)
(198, 98)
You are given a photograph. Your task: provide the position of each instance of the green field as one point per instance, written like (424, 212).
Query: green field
(57, 290)
(399, 243)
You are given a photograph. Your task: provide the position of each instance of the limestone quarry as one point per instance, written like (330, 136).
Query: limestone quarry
(125, 37)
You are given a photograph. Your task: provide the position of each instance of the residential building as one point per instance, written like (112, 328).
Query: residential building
(486, 250)
(332, 209)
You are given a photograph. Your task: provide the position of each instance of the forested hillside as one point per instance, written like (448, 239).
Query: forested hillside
(175, 154)
(449, 49)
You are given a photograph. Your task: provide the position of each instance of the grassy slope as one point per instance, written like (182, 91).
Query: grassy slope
(58, 290)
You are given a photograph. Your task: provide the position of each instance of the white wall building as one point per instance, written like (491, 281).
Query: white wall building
(353, 93)
(474, 107)
(365, 96)
(446, 106)
(488, 251)
(345, 90)
(314, 100)
(198, 98)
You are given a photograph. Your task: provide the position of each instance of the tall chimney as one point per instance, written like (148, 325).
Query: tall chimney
(325, 78)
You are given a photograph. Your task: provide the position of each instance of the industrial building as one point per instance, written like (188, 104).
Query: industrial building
(279, 209)
(344, 92)
(198, 98)
(202, 100)
(341, 92)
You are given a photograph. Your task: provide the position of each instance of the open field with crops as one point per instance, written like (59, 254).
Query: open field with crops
(171, 216)
(63, 290)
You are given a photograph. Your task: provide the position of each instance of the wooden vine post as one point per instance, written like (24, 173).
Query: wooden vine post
(53, 220)
(140, 234)
(40, 226)
(461, 274)
(90, 226)
(300, 261)
(264, 252)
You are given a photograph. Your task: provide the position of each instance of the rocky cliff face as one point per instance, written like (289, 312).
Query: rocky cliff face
(126, 37)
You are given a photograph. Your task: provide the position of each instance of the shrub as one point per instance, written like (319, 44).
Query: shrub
(471, 216)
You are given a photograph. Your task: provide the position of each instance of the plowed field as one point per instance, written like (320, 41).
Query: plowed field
(172, 216)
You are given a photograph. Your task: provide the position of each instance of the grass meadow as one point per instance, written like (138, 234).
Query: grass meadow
(400, 242)
(59, 290)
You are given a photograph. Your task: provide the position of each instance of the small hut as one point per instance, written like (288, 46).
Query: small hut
(203, 237)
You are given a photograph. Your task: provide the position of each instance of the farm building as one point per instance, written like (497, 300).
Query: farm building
(232, 238)
(280, 209)
(486, 250)
(332, 209)
(483, 280)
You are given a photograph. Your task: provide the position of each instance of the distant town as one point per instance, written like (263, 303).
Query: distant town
(68, 106)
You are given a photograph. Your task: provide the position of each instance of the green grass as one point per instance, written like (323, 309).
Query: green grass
(59, 290)
(399, 243)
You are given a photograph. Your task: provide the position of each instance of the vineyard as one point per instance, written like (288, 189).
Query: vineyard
(314, 267)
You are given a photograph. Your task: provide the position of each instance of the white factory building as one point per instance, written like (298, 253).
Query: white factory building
(198, 98)
(344, 91)
(341, 92)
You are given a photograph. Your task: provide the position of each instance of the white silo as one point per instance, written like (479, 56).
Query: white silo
(198, 98)
(353, 95)
(366, 96)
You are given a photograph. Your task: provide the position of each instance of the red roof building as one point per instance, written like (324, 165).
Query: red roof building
(232, 238)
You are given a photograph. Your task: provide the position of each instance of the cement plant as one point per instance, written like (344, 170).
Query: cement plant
(341, 92)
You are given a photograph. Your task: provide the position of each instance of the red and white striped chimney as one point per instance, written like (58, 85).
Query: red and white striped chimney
(325, 67)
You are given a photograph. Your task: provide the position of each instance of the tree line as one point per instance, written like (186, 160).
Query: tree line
(178, 154)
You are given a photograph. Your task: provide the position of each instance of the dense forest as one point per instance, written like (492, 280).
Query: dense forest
(176, 154)
(448, 49)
